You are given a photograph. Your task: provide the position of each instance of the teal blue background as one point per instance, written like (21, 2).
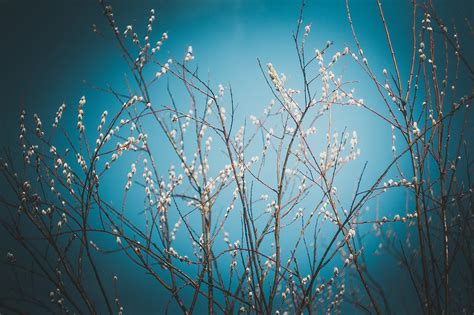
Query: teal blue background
(48, 51)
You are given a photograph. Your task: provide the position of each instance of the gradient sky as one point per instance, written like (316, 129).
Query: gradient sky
(48, 51)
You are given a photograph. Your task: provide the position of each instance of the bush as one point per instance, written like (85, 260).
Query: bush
(243, 214)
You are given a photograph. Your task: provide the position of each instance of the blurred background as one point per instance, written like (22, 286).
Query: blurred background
(49, 55)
